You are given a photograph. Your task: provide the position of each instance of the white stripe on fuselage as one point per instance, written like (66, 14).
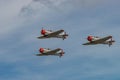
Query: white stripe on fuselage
(95, 38)
(47, 32)
(46, 50)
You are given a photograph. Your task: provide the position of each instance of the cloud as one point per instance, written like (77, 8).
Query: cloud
(43, 7)
(9, 16)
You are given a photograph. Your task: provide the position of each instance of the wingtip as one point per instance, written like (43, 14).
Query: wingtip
(83, 44)
(37, 54)
(37, 37)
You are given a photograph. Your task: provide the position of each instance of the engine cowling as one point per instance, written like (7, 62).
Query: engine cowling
(43, 32)
(90, 38)
(41, 50)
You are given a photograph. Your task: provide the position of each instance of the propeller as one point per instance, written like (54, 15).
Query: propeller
(42, 28)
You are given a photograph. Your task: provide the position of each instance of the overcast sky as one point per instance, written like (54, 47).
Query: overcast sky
(22, 20)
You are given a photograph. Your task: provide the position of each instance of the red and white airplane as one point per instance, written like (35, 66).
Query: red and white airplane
(53, 34)
(46, 52)
(93, 40)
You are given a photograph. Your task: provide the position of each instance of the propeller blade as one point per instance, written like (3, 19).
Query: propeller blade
(42, 27)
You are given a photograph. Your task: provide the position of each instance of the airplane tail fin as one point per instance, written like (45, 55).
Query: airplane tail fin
(111, 42)
(65, 36)
(61, 54)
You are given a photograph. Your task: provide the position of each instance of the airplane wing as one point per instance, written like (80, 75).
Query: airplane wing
(41, 37)
(55, 33)
(88, 43)
(52, 52)
(39, 54)
(101, 40)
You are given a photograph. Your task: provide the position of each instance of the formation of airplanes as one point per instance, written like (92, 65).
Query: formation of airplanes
(92, 40)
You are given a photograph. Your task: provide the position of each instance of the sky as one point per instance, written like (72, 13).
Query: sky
(22, 20)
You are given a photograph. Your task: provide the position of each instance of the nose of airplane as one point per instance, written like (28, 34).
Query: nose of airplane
(89, 38)
(41, 50)
(43, 32)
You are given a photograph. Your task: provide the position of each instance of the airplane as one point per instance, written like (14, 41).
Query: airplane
(53, 34)
(46, 52)
(93, 40)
